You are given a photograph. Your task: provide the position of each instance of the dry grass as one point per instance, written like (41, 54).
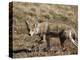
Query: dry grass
(30, 11)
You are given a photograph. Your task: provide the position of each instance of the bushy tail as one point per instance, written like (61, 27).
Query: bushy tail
(73, 41)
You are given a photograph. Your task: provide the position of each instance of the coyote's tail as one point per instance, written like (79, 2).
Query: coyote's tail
(73, 41)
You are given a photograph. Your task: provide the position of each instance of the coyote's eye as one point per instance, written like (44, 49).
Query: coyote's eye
(33, 30)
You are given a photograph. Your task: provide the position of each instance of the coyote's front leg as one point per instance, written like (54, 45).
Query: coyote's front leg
(46, 41)
(44, 37)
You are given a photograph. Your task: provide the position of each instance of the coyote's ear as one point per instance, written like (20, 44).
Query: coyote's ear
(27, 26)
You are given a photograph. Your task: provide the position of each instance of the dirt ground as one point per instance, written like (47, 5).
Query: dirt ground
(27, 46)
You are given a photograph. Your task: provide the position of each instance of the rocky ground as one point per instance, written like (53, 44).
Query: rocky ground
(27, 46)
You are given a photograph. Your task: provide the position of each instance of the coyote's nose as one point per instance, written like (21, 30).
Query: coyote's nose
(29, 34)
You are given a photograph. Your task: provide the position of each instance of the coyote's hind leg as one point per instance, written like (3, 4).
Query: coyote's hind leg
(62, 38)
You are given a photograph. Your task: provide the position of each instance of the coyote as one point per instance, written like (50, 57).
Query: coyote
(48, 29)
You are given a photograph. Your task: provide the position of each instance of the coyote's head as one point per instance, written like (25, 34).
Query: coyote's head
(33, 28)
